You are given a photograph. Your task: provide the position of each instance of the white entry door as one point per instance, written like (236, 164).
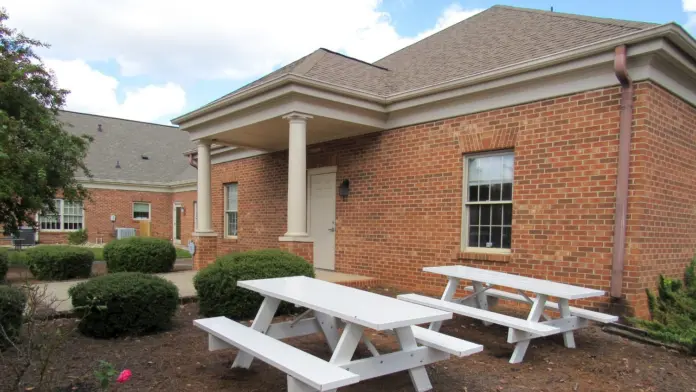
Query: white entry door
(321, 184)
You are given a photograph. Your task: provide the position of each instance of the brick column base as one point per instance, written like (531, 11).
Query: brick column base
(302, 249)
(206, 250)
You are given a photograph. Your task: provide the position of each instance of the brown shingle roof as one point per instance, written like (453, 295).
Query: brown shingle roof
(494, 38)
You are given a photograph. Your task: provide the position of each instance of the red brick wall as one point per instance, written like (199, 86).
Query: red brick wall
(262, 200)
(662, 224)
(404, 211)
(186, 199)
(105, 202)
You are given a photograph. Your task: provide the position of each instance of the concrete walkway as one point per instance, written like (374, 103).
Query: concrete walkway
(58, 291)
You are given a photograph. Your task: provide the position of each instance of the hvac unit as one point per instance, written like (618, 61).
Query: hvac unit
(124, 232)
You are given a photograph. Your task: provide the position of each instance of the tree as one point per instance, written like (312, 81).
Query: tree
(38, 158)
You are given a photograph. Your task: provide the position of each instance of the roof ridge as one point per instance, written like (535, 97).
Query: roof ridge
(118, 118)
(308, 63)
(585, 18)
(355, 59)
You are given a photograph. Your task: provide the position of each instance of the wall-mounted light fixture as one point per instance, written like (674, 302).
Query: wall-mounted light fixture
(344, 189)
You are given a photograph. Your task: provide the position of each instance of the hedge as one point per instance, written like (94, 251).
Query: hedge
(12, 303)
(78, 237)
(57, 262)
(140, 254)
(125, 303)
(216, 285)
(4, 264)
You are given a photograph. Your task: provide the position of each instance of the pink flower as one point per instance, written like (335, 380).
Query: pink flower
(124, 376)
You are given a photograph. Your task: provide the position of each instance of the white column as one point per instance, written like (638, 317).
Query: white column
(297, 175)
(205, 217)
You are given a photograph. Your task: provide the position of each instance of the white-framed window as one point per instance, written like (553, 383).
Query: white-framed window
(141, 211)
(69, 216)
(231, 210)
(488, 180)
(195, 216)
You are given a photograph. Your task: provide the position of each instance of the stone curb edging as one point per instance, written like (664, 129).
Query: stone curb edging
(640, 336)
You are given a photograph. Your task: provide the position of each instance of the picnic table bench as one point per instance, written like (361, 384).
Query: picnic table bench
(341, 314)
(521, 331)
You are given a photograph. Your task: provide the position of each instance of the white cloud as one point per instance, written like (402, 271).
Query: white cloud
(94, 92)
(210, 39)
(689, 6)
(173, 43)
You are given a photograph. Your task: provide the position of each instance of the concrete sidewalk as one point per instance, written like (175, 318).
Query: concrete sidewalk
(184, 281)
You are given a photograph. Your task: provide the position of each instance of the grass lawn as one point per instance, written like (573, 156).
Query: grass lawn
(19, 258)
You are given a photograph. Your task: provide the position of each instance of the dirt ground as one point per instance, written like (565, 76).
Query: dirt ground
(178, 360)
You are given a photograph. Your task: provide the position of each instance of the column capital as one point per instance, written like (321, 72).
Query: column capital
(294, 116)
(204, 142)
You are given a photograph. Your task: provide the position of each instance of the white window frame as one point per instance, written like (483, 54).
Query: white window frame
(149, 211)
(465, 204)
(60, 203)
(225, 211)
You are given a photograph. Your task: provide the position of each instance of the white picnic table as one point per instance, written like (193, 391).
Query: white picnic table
(521, 331)
(342, 314)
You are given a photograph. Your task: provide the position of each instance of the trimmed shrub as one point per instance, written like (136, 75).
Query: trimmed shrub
(12, 303)
(124, 303)
(57, 262)
(4, 264)
(216, 285)
(78, 237)
(673, 311)
(140, 254)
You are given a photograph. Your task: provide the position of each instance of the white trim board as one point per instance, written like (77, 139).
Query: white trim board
(140, 186)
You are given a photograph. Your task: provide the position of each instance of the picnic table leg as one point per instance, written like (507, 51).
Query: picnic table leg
(345, 349)
(564, 309)
(534, 315)
(261, 323)
(419, 376)
(481, 298)
(329, 326)
(451, 288)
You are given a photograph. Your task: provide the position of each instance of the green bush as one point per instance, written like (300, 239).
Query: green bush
(57, 262)
(140, 254)
(673, 310)
(125, 303)
(78, 237)
(12, 303)
(4, 264)
(216, 285)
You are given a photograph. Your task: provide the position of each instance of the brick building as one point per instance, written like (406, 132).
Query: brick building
(140, 177)
(550, 145)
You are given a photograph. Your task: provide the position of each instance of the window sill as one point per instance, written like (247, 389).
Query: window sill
(57, 231)
(141, 219)
(231, 238)
(493, 256)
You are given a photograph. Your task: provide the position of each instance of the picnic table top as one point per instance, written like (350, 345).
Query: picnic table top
(538, 286)
(360, 307)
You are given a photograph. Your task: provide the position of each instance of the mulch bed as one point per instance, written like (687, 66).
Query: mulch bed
(178, 360)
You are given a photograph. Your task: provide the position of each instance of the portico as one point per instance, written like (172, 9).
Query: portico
(273, 121)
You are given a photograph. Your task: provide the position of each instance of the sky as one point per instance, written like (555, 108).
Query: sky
(153, 60)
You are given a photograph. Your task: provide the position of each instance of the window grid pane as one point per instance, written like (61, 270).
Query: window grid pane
(72, 216)
(232, 223)
(489, 180)
(141, 211)
(231, 209)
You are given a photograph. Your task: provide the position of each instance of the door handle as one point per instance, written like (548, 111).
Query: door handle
(332, 229)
